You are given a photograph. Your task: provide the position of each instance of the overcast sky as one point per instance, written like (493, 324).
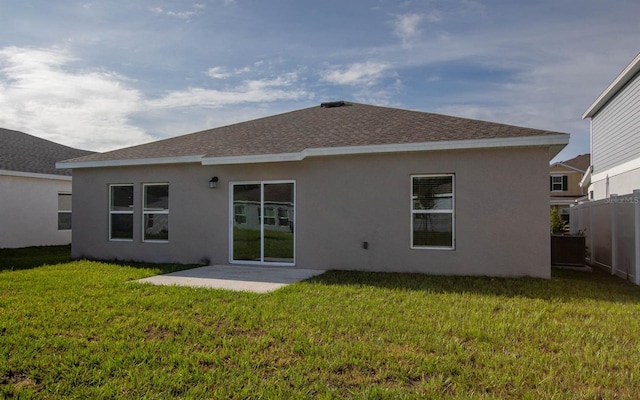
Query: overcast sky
(100, 75)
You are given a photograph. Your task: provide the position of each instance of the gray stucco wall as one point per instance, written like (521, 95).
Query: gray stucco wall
(29, 211)
(501, 205)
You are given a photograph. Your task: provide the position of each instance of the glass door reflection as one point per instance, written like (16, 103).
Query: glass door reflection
(263, 222)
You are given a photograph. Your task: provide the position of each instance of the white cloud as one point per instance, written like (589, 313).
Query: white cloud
(223, 73)
(41, 94)
(406, 26)
(84, 109)
(366, 74)
(250, 91)
(197, 9)
(218, 73)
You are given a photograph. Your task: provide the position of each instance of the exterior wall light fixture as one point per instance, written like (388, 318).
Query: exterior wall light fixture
(213, 183)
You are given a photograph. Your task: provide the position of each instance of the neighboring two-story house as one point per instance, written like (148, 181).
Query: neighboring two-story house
(564, 183)
(615, 137)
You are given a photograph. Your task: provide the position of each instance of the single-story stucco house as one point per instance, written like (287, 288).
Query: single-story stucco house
(337, 186)
(35, 197)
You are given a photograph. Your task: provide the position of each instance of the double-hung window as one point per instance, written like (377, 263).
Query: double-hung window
(121, 212)
(64, 211)
(432, 211)
(155, 212)
(559, 183)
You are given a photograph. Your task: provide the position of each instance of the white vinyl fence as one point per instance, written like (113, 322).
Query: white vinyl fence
(612, 232)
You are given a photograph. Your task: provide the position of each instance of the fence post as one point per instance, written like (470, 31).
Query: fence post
(614, 234)
(636, 241)
(592, 248)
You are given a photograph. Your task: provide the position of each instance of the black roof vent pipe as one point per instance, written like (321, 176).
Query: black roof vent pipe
(330, 104)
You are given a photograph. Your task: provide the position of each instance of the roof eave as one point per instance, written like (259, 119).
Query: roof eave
(129, 162)
(35, 175)
(623, 78)
(556, 143)
(567, 166)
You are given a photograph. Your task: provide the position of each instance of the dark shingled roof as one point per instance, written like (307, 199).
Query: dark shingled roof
(580, 162)
(320, 127)
(25, 153)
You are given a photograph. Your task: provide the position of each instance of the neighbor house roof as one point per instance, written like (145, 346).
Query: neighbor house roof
(331, 129)
(580, 163)
(20, 152)
(621, 80)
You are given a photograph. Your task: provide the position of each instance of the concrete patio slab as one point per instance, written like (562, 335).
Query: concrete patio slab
(257, 279)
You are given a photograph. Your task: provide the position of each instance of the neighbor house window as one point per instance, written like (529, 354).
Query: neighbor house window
(269, 216)
(240, 214)
(64, 211)
(559, 183)
(121, 212)
(155, 212)
(432, 211)
(283, 216)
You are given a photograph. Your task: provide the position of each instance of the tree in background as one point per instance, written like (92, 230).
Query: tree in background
(557, 225)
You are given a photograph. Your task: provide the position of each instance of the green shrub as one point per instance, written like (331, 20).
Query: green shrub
(557, 225)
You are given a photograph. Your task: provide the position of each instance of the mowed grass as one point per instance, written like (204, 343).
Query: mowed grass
(84, 330)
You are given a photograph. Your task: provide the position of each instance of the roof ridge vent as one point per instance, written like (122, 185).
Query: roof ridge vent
(330, 104)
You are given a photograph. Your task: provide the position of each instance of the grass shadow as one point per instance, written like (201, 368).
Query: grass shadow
(161, 268)
(564, 285)
(33, 257)
(38, 256)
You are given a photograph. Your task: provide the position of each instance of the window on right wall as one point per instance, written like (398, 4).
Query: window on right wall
(155, 211)
(432, 211)
(121, 212)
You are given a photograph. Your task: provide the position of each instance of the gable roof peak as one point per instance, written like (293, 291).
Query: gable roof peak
(627, 74)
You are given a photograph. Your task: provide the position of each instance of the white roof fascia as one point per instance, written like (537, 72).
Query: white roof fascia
(586, 178)
(258, 158)
(130, 162)
(625, 76)
(35, 175)
(548, 140)
(566, 166)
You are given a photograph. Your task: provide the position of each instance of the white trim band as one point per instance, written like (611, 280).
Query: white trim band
(549, 140)
(130, 162)
(35, 175)
(617, 170)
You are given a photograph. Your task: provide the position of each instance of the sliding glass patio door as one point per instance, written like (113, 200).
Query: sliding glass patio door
(262, 222)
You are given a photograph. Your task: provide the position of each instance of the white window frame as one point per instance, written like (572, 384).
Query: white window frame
(553, 184)
(113, 212)
(63, 211)
(150, 211)
(452, 212)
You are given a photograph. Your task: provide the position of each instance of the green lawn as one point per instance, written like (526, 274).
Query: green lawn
(84, 330)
